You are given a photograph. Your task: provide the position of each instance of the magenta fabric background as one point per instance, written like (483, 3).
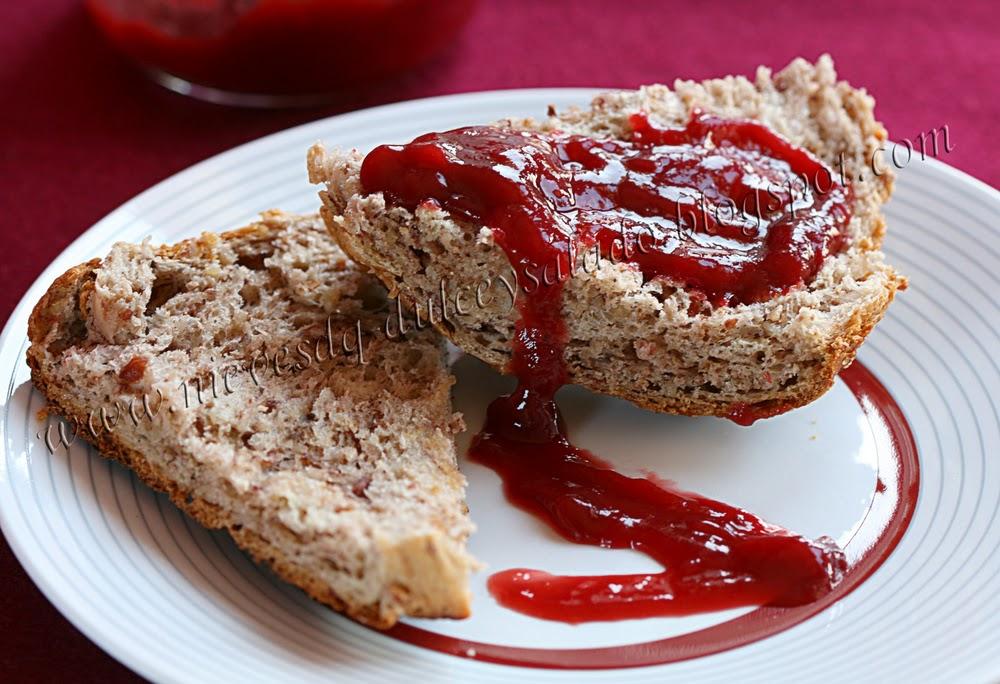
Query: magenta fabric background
(82, 132)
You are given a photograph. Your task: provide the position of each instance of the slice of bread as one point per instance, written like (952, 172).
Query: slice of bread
(648, 341)
(335, 467)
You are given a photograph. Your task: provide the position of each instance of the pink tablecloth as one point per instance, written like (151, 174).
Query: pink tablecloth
(82, 132)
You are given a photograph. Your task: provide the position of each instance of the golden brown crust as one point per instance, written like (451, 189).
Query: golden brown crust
(841, 354)
(62, 294)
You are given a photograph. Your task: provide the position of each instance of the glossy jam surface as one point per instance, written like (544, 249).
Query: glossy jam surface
(550, 197)
(724, 208)
(715, 556)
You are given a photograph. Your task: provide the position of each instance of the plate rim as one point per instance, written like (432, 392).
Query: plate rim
(13, 328)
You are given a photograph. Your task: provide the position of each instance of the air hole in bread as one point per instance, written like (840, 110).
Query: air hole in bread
(424, 258)
(254, 261)
(664, 292)
(166, 285)
(250, 294)
(709, 387)
(335, 567)
(372, 296)
(230, 489)
(360, 487)
(75, 333)
(274, 279)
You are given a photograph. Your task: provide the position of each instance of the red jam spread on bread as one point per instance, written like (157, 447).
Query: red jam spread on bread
(727, 210)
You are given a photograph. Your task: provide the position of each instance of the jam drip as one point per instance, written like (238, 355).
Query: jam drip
(548, 198)
(715, 556)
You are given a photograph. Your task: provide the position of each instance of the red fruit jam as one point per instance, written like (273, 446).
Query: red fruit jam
(726, 209)
(285, 47)
(719, 207)
(715, 556)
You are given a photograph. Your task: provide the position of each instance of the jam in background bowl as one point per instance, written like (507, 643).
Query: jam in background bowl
(277, 52)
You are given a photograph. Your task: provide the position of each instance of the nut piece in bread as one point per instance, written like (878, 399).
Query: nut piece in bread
(336, 470)
(646, 340)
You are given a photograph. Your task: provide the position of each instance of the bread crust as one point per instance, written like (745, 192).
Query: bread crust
(795, 343)
(426, 575)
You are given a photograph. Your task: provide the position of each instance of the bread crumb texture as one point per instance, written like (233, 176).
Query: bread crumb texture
(647, 340)
(340, 475)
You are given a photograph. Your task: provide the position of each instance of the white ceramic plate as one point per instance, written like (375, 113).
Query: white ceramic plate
(177, 603)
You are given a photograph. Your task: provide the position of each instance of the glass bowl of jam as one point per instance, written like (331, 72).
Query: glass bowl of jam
(277, 52)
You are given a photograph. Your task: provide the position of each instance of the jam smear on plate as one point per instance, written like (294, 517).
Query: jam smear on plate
(715, 556)
(726, 209)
